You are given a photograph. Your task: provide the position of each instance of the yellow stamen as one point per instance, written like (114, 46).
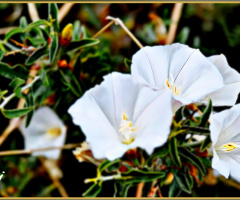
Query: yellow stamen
(229, 146)
(172, 86)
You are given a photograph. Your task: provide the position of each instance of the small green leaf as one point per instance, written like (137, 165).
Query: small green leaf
(30, 103)
(110, 164)
(173, 189)
(23, 22)
(16, 82)
(77, 45)
(10, 114)
(127, 63)
(192, 158)
(173, 150)
(37, 54)
(121, 189)
(1, 54)
(93, 191)
(53, 15)
(206, 114)
(76, 31)
(36, 23)
(179, 114)
(53, 47)
(198, 130)
(13, 72)
(181, 181)
(206, 143)
(138, 176)
(157, 154)
(12, 33)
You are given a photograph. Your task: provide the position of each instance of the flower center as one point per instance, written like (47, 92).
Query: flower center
(54, 132)
(175, 90)
(228, 147)
(126, 128)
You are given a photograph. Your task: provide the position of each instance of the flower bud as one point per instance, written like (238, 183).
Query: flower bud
(169, 178)
(66, 35)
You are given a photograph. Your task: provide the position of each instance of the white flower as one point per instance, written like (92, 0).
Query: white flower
(121, 114)
(226, 96)
(45, 130)
(183, 70)
(225, 135)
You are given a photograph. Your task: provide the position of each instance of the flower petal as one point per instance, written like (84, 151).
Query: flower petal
(35, 135)
(226, 96)
(220, 164)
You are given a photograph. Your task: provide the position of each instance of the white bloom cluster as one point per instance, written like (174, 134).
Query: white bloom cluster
(128, 111)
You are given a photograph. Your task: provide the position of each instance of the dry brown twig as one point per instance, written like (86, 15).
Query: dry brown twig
(176, 14)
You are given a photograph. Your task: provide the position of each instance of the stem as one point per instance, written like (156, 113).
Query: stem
(7, 99)
(139, 189)
(33, 13)
(120, 23)
(63, 11)
(103, 178)
(29, 151)
(103, 29)
(176, 14)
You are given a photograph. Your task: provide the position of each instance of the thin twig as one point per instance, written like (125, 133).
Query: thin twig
(63, 11)
(176, 14)
(139, 189)
(120, 23)
(103, 29)
(29, 151)
(6, 29)
(33, 13)
(55, 180)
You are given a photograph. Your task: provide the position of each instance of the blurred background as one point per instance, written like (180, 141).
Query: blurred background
(213, 28)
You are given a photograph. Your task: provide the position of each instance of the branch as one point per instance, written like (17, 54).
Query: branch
(63, 11)
(176, 14)
(33, 13)
(29, 151)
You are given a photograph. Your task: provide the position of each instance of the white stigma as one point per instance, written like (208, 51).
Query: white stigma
(126, 128)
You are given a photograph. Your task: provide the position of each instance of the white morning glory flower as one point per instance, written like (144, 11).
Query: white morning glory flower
(225, 135)
(121, 114)
(45, 130)
(226, 96)
(188, 74)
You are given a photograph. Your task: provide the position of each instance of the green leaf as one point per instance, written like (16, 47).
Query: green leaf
(44, 77)
(71, 82)
(162, 152)
(121, 189)
(181, 181)
(76, 31)
(10, 114)
(206, 114)
(2, 53)
(192, 158)
(77, 45)
(93, 191)
(110, 165)
(53, 47)
(173, 150)
(16, 82)
(138, 176)
(12, 33)
(173, 189)
(36, 23)
(198, 130)
(127, 63)
(30, 103)
(53, 14)
(23, 22)
(206, 143)
(13, 72)
(37, 54)
(179, 114)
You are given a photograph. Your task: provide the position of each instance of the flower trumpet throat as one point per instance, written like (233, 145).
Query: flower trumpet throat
(126, 128)
(54, 132)
(227, 147)
(175, 90)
